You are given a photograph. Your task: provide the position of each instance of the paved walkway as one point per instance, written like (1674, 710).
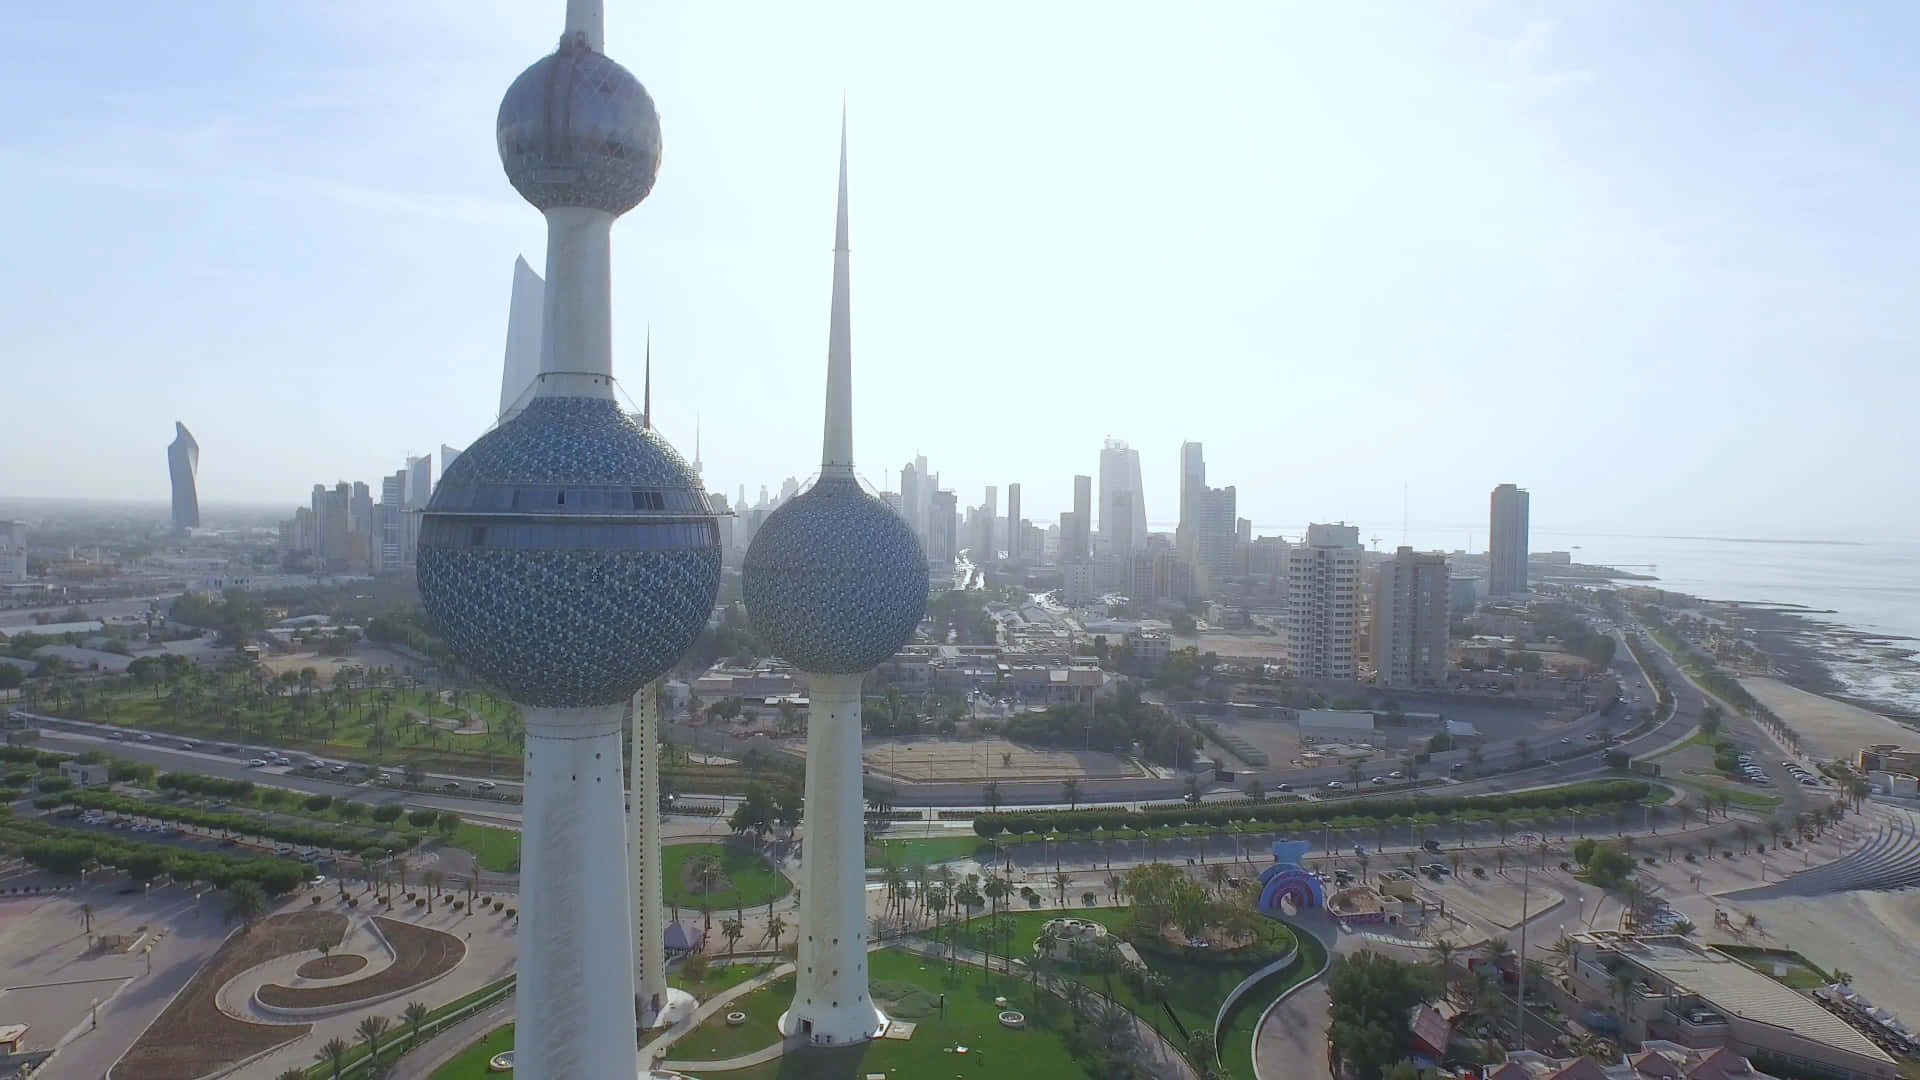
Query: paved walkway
(1291, 1041)
(444, 1045)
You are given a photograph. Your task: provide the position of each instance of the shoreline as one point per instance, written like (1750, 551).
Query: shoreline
(1816, 654)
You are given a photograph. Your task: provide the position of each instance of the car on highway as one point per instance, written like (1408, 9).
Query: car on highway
(1335, 785)
(337, 769)
(1397, 775)
(186, 746)
(144, 737)
(257, 763)
(1566, 740)
(1283, 786)
(1458, 766)
(451, 785)
(117, 736)
(485, 785)
(1378, 781)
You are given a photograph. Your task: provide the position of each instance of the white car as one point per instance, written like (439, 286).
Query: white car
(485, 785)
(257, 763)
(1335, 785)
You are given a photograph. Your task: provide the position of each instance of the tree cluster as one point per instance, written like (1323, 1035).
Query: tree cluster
(64, 851)
(1372, 998)
(1113, 726)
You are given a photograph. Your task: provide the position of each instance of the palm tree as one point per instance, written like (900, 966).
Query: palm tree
(414, 1014)
(1070, 793)
(371, 1028)
(1745, 833)
(733, 930)
(1061, 882)
(1217, 877)
(431, 879)
(86, 921)
(995, 889)
(776, 927)
(292, 1074)
(990, 794)
(1443, 950)
(334, 1053)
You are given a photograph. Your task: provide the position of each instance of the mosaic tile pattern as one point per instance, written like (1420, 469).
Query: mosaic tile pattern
(554, 606)
(577, 129)
(568, 629)
(835, 580)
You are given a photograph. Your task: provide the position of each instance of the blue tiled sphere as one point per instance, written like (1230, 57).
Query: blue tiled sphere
(834, 580)
(569, 557)
(577, 129)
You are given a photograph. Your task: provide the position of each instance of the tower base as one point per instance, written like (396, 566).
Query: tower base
(851, 1026)
(674, 1007)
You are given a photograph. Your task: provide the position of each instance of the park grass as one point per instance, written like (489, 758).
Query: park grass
(715, 1040)
(494, 849)
(1657, 795)
(926, 850)
(754, 881)
(1022, 928)
(721, 977)
(1749, 800)
(969, 1018)
(1801, 973)
(1237, 1029)
(471, 1063)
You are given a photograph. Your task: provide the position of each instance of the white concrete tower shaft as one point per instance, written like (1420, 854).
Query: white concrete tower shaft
(576, 1015)
(658, 1003)
(830, 997)
(576, 330)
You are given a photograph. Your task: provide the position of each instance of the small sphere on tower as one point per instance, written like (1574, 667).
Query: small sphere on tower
(835, 580)
(577, 129)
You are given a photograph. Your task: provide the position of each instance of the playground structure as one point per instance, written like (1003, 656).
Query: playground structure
(1288, 881)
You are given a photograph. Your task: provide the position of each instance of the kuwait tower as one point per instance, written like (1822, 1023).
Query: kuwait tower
(569, 557)
(835, 581)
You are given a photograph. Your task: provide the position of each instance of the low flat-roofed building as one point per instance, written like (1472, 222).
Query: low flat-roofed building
(85, 775)
(1700, 997)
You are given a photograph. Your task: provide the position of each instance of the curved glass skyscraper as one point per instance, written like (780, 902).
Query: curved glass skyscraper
(183, 461)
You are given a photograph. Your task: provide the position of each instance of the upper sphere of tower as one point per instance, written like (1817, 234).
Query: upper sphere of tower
(834, 580)
(577, 129)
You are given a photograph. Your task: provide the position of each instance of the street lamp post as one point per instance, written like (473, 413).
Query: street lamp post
(1520, 989)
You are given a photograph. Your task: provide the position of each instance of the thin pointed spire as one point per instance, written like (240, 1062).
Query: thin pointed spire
(696, 444)
(837, 451)
(646, 393)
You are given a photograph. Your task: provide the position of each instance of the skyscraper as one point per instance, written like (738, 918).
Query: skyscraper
(1507, 541)
(1193, 481)
(1120, 472)
(391, 514)
(183, 464)
(1323, 601)
(569, 558)
(943, 526)
(447, 457)
(1082, 540)
(835, 582)
(1014, 531)
(525, 317)
(1410, 619)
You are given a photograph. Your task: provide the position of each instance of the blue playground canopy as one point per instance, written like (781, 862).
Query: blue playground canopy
(1287, 879)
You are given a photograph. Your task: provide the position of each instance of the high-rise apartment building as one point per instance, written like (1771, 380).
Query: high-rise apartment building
(447, 457)
(183, 465)
(1015, 534)
(1121, 539)
(13, 551)
(1323, 602)
(1120, 473)
(1507, 541)
(391, 514)
(1212, 533)
(943, 523)
(910, 507)
(1410, 600)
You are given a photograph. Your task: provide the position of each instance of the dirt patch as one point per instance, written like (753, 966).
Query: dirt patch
(928, 759)
(331, 967)
(193, 1037)
(420, 954)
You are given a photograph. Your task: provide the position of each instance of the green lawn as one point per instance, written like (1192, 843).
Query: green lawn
(1752, 800)
(926, 850)
(494, 849)
(471, 1063)
(970, 1018)
(720, 977)
(1236, 1031)
(1026, 926)
(753, 880)
(714, 1039)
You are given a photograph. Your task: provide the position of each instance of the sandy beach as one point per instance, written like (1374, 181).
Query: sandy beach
(1828, 727)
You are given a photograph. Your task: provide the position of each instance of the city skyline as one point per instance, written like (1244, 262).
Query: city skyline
(1675, 292)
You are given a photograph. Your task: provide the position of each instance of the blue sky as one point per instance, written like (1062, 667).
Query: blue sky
(1653, 261)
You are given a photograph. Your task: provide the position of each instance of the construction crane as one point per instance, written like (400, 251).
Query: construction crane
(1376, 543)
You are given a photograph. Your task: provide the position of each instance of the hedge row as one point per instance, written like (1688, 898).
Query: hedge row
(283, 832)
(216, 786)
(1593, 793)
(68, 851)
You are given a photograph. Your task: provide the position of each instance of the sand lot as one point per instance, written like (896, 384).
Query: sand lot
(1875, 936)
(924, 759)
(1829, 728)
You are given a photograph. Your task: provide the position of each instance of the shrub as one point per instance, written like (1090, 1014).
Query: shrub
(319, 802)
(53, 784)
(386, 813)
(1583, 850)
(513, 913)
(422, 818)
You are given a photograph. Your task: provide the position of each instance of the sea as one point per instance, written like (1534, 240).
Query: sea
(1864, 597)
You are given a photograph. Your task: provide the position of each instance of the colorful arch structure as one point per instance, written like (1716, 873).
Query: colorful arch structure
(1287, 879)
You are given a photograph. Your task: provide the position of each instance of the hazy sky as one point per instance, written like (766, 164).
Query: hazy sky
(1654, 261)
